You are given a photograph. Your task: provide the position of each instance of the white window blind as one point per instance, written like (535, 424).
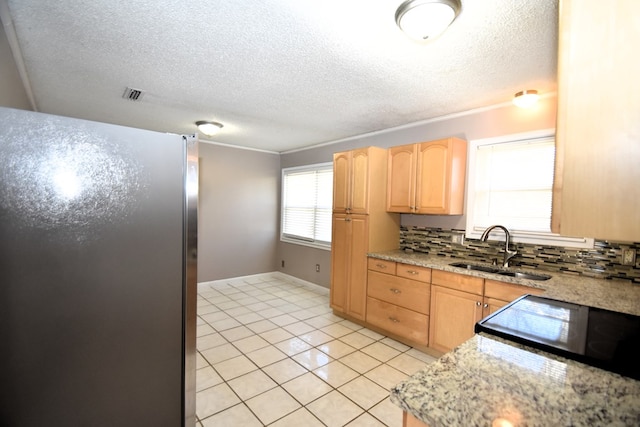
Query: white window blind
(510, 183)
(307, 198)
(514, 184)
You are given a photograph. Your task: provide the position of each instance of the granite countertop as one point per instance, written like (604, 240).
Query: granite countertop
(488, 380)
(615, 295)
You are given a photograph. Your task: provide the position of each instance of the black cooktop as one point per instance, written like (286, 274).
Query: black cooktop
(602, 338)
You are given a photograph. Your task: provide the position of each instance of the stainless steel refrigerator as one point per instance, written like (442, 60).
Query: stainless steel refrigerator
(97, 273)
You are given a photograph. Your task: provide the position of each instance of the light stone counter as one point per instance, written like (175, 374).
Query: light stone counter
(487, 380)
(616, 295)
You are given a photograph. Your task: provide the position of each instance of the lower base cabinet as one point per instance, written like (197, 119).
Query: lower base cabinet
(432, 308)
(398, 299)
(409, 420)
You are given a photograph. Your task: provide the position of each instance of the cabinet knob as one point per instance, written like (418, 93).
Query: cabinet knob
(379, 265)
(393, 319)
(347, 219)
(395, 291)
(478, 303)
(486, 305)
(413, 272)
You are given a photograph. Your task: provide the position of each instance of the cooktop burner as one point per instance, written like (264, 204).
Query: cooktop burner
(601, 338)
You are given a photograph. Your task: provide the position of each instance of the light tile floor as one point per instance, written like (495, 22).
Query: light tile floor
(271, 353)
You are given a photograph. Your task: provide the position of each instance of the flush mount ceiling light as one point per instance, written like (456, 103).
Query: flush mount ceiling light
(426, 19)
(209, 128)
(526, 98)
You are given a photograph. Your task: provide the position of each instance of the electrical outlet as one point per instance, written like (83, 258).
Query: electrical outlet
(629, 257)
(457, 238)
(317, 268)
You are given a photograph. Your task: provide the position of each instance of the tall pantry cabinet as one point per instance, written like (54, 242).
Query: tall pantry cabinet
(360, 225)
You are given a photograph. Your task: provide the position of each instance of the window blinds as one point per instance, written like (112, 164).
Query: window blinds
(307, 204)
(513, 185)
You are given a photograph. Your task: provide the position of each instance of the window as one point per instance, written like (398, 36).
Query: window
(511, 184)
(307, 202)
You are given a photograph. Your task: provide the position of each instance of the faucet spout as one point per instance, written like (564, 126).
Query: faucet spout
(508, 254)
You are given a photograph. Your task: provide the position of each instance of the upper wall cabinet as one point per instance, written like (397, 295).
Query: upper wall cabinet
(427, 178)
(597, 186)
(352, 178)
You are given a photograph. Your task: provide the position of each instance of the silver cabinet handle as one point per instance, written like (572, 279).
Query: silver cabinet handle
(379, 265)
(393, 319)
(413, 272)
(395, 291)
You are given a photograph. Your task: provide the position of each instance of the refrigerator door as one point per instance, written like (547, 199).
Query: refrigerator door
(94, 261)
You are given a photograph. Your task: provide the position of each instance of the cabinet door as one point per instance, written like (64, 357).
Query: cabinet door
(452, 318)
(359, 203)
(596, 191)
(357, 290)
(341, 182)
(340, 254)
(441, 171)
(401, 178)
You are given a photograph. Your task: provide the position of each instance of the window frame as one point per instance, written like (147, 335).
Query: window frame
(537, 238)
(318, 244)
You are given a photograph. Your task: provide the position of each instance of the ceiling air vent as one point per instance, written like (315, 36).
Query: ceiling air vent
(132, 94)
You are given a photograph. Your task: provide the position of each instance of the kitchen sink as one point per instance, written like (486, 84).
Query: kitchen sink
(509, 273)
(475, 267)
(522, 275)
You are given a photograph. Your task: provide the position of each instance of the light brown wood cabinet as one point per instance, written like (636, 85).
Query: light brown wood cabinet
(349, 243)
(456, 306)
(427, 178)
(396, 303)
(409, 420)
(596, 191)
(459, 301)
(353, 172)
(498, 294)
(360, 224)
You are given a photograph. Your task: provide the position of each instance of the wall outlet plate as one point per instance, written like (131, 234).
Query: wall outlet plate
(629, 256)
(457, 238)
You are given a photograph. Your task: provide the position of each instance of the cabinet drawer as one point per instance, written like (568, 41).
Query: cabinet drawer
(381, 265)
(460, 282)
(397, 320)
(507, 291)
(413, 272)
(403, 292)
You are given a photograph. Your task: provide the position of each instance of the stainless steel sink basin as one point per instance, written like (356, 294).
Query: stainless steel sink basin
(475, 267)
(487, 269)
(522, 275)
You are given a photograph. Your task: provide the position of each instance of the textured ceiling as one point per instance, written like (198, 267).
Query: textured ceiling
(280, 74)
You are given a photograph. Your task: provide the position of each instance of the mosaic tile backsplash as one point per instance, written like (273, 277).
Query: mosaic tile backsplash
(604, 261)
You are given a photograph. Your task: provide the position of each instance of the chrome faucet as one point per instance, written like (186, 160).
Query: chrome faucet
(508, 254)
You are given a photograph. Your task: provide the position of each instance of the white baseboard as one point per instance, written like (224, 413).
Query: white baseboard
(265, 277)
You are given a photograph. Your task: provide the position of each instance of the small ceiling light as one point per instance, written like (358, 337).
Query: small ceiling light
(526, 98)
(426, 19)
(209, 128)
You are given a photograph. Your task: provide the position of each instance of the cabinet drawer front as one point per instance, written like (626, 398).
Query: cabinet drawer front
(413, 272)
(381, 265)
(399, 291)
(397, 320)
(507, 291)
(460, 282)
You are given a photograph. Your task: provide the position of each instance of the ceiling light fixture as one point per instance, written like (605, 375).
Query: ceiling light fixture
(209, 128)
(526, 98)
(426, 19)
